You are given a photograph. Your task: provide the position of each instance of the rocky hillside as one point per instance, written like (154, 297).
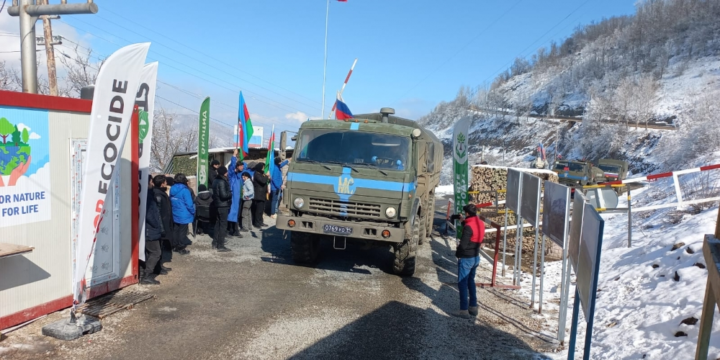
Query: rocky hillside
(659, 66)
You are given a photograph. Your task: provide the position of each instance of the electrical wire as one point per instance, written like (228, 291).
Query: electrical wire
(183, 54)
(218, 60)
(431, 73)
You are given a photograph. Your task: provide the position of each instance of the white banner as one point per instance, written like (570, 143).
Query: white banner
(115, 90)
(145, 100)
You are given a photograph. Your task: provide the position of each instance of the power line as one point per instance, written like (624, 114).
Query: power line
(165, 99)
(189, 57)
(538, 39)
(168, 63)
(461, 49)
(218, 60)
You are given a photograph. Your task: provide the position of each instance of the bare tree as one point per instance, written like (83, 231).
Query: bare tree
(6, 82)
(644, 99)
(168, 139)
(81, 71)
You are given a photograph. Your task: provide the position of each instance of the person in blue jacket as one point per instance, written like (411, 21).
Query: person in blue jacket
(276, 183)
(236, 182)
(183, 209)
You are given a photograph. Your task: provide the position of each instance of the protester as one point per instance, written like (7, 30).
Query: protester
(276, 184)
(221, 205)
(162, 199)
(183, 213)
(248, 193)
(236, 182)
(260, 184)
(213, 171)
(468, 252)
(202, 210)
(153, 234)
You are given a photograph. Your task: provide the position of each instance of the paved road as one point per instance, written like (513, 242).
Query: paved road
(254, 303)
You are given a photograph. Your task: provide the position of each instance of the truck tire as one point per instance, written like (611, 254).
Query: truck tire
(304, 247)
(405, 252)
(431, 213)
(422, 233)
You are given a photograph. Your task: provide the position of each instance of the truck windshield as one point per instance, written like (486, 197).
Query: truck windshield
(610, 168)
(570, 166)
(354, 147)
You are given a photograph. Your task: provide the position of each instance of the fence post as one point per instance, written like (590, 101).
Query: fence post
(629, 199)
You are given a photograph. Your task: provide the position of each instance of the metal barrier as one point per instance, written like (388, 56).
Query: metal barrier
(493, 282)
(711, 252)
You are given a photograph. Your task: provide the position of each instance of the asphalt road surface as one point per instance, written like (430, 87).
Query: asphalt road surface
(255, 303)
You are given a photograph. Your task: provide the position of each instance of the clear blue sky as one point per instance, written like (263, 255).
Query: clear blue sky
(412, 53)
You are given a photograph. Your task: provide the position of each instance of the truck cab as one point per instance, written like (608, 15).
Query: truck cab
(370, 179)
(577, 173)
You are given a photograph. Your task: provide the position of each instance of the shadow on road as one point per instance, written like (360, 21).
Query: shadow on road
(354, 259)
(397, 331)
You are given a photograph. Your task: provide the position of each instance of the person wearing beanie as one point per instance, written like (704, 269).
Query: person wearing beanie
(468, 254)
(222, 196)
(260, 183)
(212, 173)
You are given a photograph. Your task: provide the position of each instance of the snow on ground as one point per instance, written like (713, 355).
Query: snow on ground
(645, 292)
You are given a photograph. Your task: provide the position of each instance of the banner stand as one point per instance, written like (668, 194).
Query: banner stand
(505, 243)
(493, 283)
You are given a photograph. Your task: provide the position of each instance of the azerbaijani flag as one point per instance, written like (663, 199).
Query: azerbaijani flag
(245, 128)
(270, 160)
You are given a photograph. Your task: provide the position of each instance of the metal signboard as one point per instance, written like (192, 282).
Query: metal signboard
(513, 190)
(603, 198)
(590, 244)
(576, 230)
(556, 207)
(530, 199)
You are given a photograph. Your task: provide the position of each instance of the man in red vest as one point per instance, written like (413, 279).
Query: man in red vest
(468, 254)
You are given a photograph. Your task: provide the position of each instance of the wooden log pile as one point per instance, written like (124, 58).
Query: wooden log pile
(487, 180)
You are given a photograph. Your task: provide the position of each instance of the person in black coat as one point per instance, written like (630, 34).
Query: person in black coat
(153, 234)
(260, 183)
(203, 200)
(162, 199)
(214, 165)
(222, 198)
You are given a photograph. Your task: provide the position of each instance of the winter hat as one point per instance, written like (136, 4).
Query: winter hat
(222, 170)
(470, 209)
(259, 167)
(202, 188)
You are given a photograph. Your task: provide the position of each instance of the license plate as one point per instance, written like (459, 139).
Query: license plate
(338, 230)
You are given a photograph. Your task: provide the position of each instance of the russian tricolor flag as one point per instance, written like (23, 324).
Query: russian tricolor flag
(342, 112)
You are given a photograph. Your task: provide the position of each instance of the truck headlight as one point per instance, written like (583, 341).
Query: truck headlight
(299, 202)
(390, 212)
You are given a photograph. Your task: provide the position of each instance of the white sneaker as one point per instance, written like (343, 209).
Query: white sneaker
(273, 216)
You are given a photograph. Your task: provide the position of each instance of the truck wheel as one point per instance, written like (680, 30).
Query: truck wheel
(406, 251)
(421, 229)
(431, 215)
(305, 248)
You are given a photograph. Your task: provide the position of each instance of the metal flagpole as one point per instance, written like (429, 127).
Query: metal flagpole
(327, 15)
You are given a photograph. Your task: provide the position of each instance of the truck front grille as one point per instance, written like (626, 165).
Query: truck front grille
(350, 209)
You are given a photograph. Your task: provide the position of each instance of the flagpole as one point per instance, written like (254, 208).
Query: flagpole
(327, 14)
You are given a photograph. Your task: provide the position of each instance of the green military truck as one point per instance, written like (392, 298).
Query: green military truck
(575, 173)
(370, 179)
(614, 170)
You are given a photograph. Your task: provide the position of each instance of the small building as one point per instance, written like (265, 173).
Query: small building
(43, 141)
(186, 162)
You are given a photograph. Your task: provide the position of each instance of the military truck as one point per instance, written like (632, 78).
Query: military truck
(370, 179)
(575, 173)
(614, 170)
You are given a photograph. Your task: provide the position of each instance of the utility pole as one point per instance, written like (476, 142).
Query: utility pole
(49, 52)
(327, 17)
(29, 12)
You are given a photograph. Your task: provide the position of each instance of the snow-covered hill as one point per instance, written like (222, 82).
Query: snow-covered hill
(649, 294)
